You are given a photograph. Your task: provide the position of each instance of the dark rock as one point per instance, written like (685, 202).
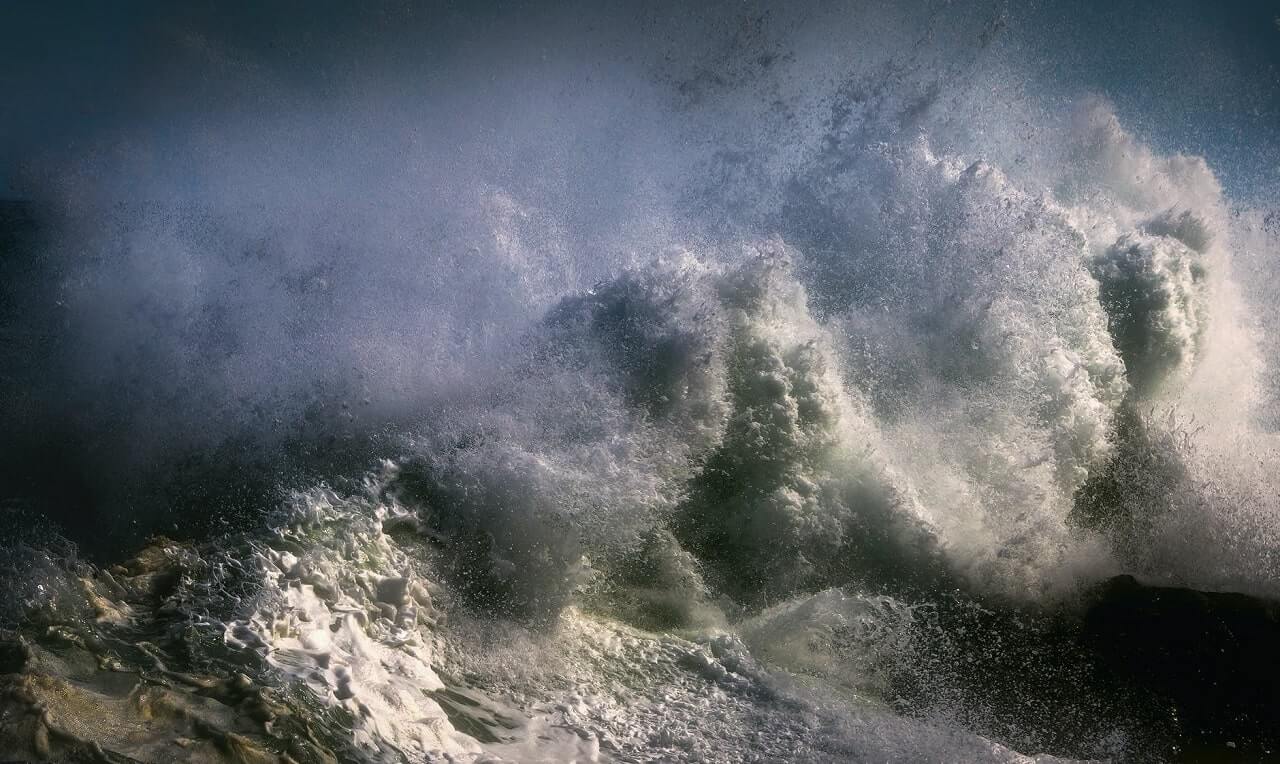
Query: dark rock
(14, 656)
(1215, 657)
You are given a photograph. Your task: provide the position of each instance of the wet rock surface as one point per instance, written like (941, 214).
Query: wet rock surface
(1211, 657)
(130, 677)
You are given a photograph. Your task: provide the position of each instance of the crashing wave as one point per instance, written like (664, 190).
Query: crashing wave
(787, 451)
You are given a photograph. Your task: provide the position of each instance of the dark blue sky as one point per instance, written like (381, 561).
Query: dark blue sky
(1189, 75)
(1195, 76)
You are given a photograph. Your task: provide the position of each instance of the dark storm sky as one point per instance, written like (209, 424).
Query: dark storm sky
(1201, 77)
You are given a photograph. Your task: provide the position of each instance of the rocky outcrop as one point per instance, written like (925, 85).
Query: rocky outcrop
(123, 679)
(1214, 658)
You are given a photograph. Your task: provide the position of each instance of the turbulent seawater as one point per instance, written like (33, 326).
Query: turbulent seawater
(779, 392)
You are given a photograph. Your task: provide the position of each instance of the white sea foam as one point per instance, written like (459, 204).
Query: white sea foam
(349, 614)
